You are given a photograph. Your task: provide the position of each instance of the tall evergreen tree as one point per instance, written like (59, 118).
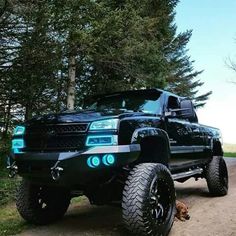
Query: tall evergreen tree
(136, 46)
(55, 49)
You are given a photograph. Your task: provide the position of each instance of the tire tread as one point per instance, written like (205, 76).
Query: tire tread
(25, 203)
(134, 196)
(214, 183)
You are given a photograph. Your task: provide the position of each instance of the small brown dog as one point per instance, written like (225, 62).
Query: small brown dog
(182, 211)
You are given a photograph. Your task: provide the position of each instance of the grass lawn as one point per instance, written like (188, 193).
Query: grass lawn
(229, 154)
(11, 222)
(7, 187)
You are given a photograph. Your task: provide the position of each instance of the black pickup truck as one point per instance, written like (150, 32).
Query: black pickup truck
(127, 146)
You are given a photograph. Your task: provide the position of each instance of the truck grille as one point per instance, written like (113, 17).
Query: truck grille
(57, 129)
(55, 137)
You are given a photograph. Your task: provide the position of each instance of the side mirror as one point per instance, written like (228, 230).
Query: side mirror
(187, 110)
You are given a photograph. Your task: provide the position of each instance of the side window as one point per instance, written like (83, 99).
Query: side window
(173, 103)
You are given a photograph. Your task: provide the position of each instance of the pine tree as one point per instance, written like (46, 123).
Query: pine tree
(55, 49)
(136, 46)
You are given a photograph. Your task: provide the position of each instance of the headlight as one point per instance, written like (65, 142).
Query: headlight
(19, 130)
(104, 124)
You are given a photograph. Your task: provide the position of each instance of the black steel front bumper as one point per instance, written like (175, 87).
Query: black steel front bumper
(72, 167)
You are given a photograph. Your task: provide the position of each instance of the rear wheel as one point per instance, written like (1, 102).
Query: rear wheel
(217, 176)
(41, 204)
(149, 200)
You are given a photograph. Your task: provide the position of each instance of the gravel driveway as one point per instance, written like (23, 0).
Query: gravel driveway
(209, 216)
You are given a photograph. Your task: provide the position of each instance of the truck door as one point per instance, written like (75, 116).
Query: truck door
(178, 129)
(184, 133)
(197, 135)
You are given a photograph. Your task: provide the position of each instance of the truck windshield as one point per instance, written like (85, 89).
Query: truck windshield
(137, 101)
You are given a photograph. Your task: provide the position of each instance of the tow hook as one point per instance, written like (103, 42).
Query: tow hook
(13, 169)
(56, 171)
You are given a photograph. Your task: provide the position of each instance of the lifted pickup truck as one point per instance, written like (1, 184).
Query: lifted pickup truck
(127, 146)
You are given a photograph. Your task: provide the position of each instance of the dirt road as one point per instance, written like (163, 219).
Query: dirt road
(209, 216)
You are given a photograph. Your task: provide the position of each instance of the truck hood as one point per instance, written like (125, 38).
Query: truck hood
(82, 116)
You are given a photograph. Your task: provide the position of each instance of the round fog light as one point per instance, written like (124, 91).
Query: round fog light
(93, 161)
(108, 159)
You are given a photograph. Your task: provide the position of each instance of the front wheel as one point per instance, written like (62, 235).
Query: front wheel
(149, 200)
(41, 204)
(217, 176)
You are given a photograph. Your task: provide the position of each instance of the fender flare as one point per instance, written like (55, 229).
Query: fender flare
(216, 147)
(141, 133)
(147, 132)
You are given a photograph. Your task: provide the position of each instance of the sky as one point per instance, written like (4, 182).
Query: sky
(213, 41)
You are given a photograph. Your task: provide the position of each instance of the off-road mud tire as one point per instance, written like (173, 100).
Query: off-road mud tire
(148, 202)
(217, 176)
(41, 205)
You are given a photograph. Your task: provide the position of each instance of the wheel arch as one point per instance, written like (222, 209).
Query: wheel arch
(154, 144)
(217, 149)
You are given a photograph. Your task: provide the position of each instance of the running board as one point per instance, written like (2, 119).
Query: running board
(188, 173)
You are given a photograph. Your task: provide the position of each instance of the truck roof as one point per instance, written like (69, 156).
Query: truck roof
(138, 91)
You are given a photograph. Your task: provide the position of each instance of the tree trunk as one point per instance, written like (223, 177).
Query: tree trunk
(28, 111)
(59, 92)
(7, 115)
(71, 84)
(7, 118)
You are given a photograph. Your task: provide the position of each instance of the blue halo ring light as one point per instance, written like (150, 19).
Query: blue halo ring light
(93, 161)
(108, 159)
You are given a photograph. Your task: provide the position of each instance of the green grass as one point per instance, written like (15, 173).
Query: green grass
(7, 187)
(11, 222)
(229, 154)
(77, 199)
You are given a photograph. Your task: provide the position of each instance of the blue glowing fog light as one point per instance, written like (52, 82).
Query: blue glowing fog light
(19, 130)
(93, 161)
(108, 159)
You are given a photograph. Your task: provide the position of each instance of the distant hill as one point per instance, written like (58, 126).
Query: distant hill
(229, 147)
